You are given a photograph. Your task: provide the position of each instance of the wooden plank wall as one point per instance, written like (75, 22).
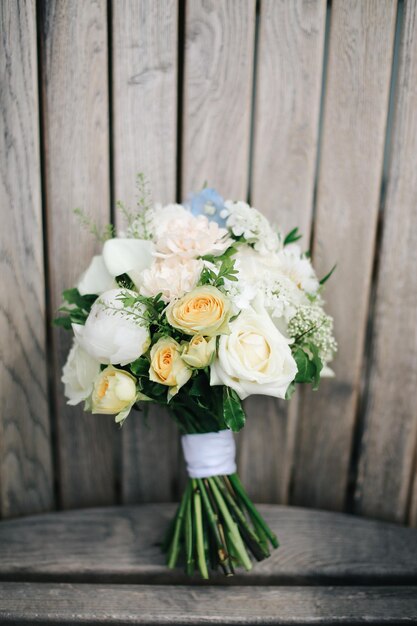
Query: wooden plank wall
(285, 102)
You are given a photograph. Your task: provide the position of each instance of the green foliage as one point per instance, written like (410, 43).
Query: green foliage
(309, 365)
(226, 270)
(233, 413)
(292, 236)
(100, 233)
(125, 281)
(76, 307)
(326, 278)
(137, 221)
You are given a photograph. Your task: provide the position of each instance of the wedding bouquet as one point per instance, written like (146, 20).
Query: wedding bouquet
(195, 307)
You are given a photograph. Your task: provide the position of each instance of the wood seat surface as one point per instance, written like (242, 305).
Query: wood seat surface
(104, 565)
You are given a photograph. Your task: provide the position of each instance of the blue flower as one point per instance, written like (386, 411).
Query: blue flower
(209, 203)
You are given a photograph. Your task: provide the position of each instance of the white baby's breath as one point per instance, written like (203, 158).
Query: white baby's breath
(245, 221)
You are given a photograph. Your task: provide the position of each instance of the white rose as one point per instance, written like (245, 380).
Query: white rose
(255, 358)
(179, 233)
(172, 277)
(113, 333)
(78, 374)
(120, 256)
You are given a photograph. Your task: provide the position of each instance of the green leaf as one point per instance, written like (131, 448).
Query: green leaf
(309, 368)
(125, 281)
(290, 391)
(326, 278)
(64, 322)
(233, 413)
(140, 367)
(292, 236)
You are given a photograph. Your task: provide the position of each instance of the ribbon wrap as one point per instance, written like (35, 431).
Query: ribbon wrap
(209, 454)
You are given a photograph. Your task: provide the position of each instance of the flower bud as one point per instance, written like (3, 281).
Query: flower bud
(114, 391)
(199, 352)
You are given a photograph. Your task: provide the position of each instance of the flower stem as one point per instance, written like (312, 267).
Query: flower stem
(189, 538)
(175, 544)
(251, 538)
(231, 525)
(201, 555)
(238, 487)
(215, 526)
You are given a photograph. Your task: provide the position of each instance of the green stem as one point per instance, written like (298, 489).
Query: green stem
(189, 538)
(239, 489)
(232, 526)
(201, 556)
(214, 522)
(251, 538)
(175, 544)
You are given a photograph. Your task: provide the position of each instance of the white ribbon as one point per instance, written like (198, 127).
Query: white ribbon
(209, 454)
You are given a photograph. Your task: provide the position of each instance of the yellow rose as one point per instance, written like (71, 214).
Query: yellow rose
(114, 392)
(204, 311)
(167, 367)
(199, 352)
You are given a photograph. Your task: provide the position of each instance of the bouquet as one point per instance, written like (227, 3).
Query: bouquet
(195, 307)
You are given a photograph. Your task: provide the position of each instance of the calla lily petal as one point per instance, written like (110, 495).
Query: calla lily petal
(127, 256)
(96, 279)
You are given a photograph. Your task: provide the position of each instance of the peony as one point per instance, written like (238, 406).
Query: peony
(172, 277)
(114, 392)
(167, 367)
(114, 333)
(204, 311)
(255, 358)
(199, 352)
(179, 233)
(120, 256)
(78, 374)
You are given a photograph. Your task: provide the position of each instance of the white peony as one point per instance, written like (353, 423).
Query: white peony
(297, 267)
(120, 256)
(179, 233)
(114, 334)
(79, 374)
(172, 277)
(247, 222)
(255, 358)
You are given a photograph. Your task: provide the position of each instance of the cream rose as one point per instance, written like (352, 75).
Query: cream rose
(204, 311)
(78, 374)
(254, 358)
(114, 392)
(167, 367)
(199, 352)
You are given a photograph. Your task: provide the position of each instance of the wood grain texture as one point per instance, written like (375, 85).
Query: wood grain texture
(25, 455)
(217, 95)
(288, 88)
(27, 603)
(74, 72)
(387, 461)
(355, 113)
(120, 545)
(145, 128)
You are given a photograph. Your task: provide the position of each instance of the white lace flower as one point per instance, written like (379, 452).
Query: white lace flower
(179, 233)
(245, 221)
(172, 277)
(297, 267)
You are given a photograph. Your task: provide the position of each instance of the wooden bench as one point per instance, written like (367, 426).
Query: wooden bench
(104, 565)
(306, 108)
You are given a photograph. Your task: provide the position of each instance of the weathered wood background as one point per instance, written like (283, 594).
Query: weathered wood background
(307, 108)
